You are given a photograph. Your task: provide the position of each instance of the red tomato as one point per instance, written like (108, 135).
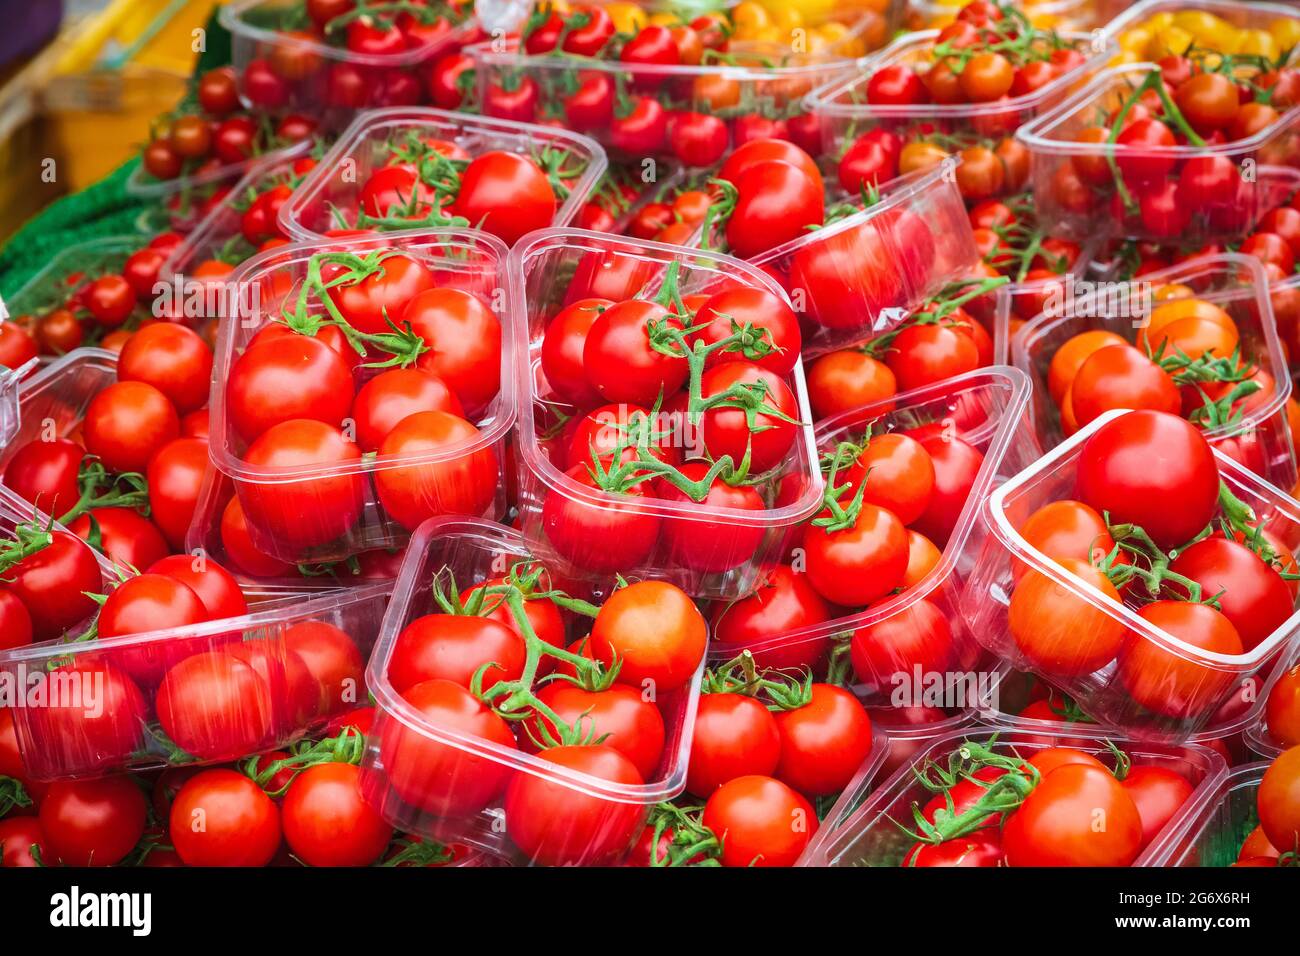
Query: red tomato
(824, 742)
(222, 818)
(215, 706)
(1056, 825)
(1159, 793)
(127, 423)
(760, 822)
(655, 630)
(735, 736)
(92, 822)
(620, 716)
(326, 821)
(785, 604)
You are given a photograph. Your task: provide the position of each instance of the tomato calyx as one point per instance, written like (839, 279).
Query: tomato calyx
(689, 841)
(740, 675)
(1002, 795)
(13, 795)
(1156, 574)
(836, 515)
(28, 539)
(1239, 522)
(348, 747)
(101, 489)
(418, 853)
(378, 14)
(402, 345)
(1170, 113)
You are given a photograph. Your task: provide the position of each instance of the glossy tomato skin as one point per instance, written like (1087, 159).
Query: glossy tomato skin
(462, 483)
(125, 537)
(735, 736)
(1252, 595)
(975, 850)
(760, 821)
(73, 734)
(18, 835)
(620, 714)
(53, 583)
(222, 818)
(92, 822)
(784, 604)
(1168, 682)
(384, 401)
(453, 647)
(215, 586)
(289, 377)
(1159, 793)
(1279, 800)
(1055, 825)
(726, 431)
(433, 776)
(1059, 630)
(723, 313)
(334, 661)
(44, 473)
(555, 825)
(505, 194)
(655, 630)
(327, 823)
(619, 360)
(957, 466)
(1152, 469)
(215, 706)
(126, 423)
(711, 547)
(464, 339)
(917, 635)
(175, 477)
(610, 536)
(824, 742)
(307, 512)
(859, 564)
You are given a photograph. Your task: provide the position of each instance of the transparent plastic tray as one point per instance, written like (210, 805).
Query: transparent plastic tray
(1050, 139)
(463, 259)
(542, 267)
(865, 833)
(332, 190)
(1214, 835)
(985, 408)
(861, 275)
(1102, 694)
(1261, 439)
(312, 70)
(471, 551)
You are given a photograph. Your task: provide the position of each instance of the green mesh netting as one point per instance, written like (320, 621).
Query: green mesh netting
(103, 209)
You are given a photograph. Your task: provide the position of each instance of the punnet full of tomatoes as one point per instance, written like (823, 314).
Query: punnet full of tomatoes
(672, 434)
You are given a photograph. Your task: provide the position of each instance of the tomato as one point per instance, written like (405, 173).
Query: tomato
(619, 360)
(711, 547)
(1120, 376)
(697, 139)
(655, 631)
(980, 849)
(434, 776)
(172, 359)
(236, 137)
(101, 735)
(1152, 469)
(464, 340)
(1066, 529)
(304, 513)
(92, 822)
(1251, 594)
(784, 604)
(215, 706)
(1208, 101)
(127, 423)
(53, 583)
(1167, 681)
(917, 635)
(858, 564)
(459, 481)
(327, 823)
(1159, 793)
(745, 157)
(1057, 823)
(1278, 799)
(110, 299)
(848, 379)
(776, 202)
(640, 128)
(453, 647)
(735, 736)
(744, 307)
(160, 160)
(1282, 714)
(898, 473)
(218, 91)
(240, 550)
(44, 473)
(620, 716)
(957, 465)
(1057, 630)
(610, 535)
(333, 660)
(895, 85)
(175, 477)
(562, 351)
(1070, 356)
(872, 160)
(824, 742)
(505, 194)
(18, 836)
(365, 302)
(1145, 159)
(222, 818)
(759, 821)
(124, 537)
(726, 428)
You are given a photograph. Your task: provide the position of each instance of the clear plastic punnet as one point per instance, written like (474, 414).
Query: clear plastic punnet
(863, 274)
(844, 114)
(946, 669)
(331, 196)
(1183, 14)
(280, 63)
(753, 79)
(10, 382)
(709, 551)
(456, 787)
(1256, 433)
(1213, 837)
(1259, 738)
(187, 198)
(1195, 683)
(58, 279)
(1195, 193)
(200, 694)
(311, 513)
(863, 828)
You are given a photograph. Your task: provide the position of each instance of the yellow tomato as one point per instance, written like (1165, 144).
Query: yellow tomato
(1135, 41)
(749, 18)
(786, 19)
(664, 19)
(1286, 31)
(1159, 21)
(1172, 41)
(1259, 42)
(810, 11)
(1200, 23)
(627, 17)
